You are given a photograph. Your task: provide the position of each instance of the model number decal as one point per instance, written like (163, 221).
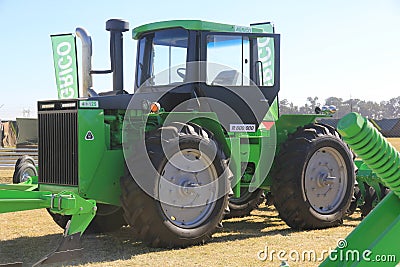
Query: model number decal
(88, 104)
(242, 128)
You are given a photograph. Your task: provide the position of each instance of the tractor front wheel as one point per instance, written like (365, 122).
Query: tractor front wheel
(187, 191)
(313, 178)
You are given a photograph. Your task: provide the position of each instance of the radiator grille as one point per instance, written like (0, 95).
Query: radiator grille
(58, 147)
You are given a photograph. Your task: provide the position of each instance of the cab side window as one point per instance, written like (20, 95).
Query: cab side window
(240, 60)
(228, 60)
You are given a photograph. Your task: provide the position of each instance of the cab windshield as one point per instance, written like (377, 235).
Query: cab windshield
(162, 57)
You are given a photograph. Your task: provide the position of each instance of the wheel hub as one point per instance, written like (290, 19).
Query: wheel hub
(325, 180)
(26, 175)
(187, 188)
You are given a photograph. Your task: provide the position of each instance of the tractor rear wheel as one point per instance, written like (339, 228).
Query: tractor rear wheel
(248, 201)
(187, 193)
(313, 178)
(108, 218)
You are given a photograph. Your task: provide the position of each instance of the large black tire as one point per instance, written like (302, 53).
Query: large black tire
(354, 201)
(158, 223)
(24, 158)
(247, 202)
(108, 218)
(23, 171)
(313, 178)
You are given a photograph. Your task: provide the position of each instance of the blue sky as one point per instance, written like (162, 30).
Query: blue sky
(328, 48)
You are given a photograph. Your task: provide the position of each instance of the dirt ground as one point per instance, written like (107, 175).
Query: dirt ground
(28, 235)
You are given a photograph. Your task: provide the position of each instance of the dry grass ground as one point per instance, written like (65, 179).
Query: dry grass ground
(26, 236)
(395, 142)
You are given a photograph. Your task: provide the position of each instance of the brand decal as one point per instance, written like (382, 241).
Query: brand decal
(89, 136)
(243, 29)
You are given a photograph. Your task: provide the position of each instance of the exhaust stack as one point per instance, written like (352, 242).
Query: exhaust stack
(116, 27)
(86, 40)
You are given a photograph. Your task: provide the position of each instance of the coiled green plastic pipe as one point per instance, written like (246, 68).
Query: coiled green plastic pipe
(369, 144)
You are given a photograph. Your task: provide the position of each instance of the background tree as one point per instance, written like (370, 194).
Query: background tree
(383, 110)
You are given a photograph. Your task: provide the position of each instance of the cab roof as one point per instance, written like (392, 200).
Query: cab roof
(197, 25)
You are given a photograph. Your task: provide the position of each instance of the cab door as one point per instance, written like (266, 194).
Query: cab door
(240, 76)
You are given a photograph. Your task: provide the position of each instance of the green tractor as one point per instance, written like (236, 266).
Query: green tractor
(199, 139)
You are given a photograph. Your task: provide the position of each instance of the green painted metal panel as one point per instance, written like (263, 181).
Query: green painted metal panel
(16, 200)
(100, 167)
(256, 149)
(235, 164)
(377, 233)
(196, 25)
(20, 187)
(57, 188)
(65, 65)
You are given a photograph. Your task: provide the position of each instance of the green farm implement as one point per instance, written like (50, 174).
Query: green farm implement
(200, 138)
(374, 242)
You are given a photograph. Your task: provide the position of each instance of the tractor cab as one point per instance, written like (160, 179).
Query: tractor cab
(186, 59)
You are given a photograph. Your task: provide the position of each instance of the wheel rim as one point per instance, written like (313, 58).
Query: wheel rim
(187, 188)
(325, 181)
(26, 174)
